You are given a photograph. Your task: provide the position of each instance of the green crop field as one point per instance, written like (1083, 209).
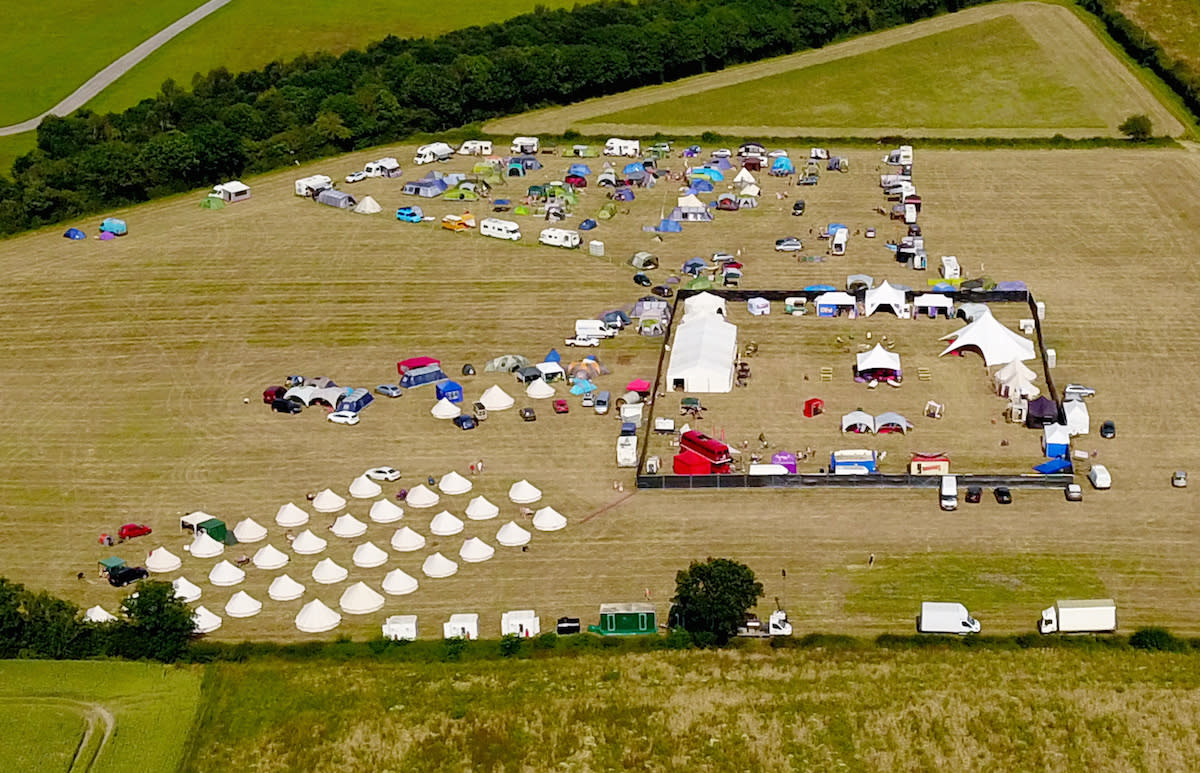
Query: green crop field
(128, 716)
(709, 711)
(13, 147)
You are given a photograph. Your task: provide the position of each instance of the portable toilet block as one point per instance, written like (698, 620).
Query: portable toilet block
(596, 248)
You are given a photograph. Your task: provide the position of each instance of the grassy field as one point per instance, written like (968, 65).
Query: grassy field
(1007, 82)
(1174, 24)
(1031, 711)
(1033, 70)
(126, 715)
(13, 147)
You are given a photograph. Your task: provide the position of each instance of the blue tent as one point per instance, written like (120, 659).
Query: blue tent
(668, 227)
(113, 225)
(582, 386)
(623, 194)
(450, 390)
(587, 225)
(355, 401)
(943, 287)
(553, 356)
(617, 317)
(710, 174)
(720, 163)
(583, 170)
(700, 185)
(75, 234)
(635, 168)
(1053, 466)
(820, 289)
(782, 165)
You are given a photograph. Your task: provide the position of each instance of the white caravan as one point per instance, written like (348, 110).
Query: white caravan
(837, 242)
(311, 186)
(560, 237)
(384, 167)
(619, 147)
(950, 268)
(434, 151)
(475, 148)
(524, 146)
(627, 451)
(946, 617)
(900, 191)
(901, 156)
(500, 229)
(1079, 616)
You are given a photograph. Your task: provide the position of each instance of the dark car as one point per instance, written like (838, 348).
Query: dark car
(1108, 430)
(466, 422)
(798, 207)
(131, 530)
(527, 414)
(286, 406)
(662, 291)
(124, 575)
(642, 279)
(974, 494)
(1003, 496)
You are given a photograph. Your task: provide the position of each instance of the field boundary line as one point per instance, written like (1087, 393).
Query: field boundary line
(610, 506)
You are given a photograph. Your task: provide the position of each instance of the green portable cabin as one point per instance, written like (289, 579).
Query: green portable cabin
(636, 619)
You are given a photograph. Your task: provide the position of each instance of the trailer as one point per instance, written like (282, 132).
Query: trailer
(777, 625)
(1079, 616)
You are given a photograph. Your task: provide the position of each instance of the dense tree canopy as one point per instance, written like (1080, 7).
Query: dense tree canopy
(713, 597)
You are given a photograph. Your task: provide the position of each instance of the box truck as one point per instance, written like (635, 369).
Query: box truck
(500, 229)
(946, 617)
(949, 492)
(435, 151)
(1079, 616)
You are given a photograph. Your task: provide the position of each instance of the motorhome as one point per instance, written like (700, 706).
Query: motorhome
(901, 156)
(837, 241)
(1080, 616)
(475, 148)
(948, 497)
(384, 167)
(524, 146)
(910, 214)
(946, 617)
(500, 229)
(435, 151)
(619, 147)
(560, 237)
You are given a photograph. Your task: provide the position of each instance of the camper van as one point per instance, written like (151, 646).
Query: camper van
(436, 151)
(619, 147)
(901, 156)
(593, 328)
(837, 242)
(524, 146)
(946, 617)
(948, 497)
(500, 229)
(950, 268)
(475, 148)
(560, 237)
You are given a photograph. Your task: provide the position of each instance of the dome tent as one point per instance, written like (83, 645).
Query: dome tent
(359, 599)
(496, 399)
(204, 546)
(444, 409)
(369, 555)
(438, 566)
(270, 558)
(186, 590)
(399, 583)
(328, 502)
(242, 604)
(99, 615)
(363, 487)
(205, 621)
(406, 540)
(162, 560)
(548, 519)
(284, 588)
(386, 511)
(327, 572)
(444, 524)
(524, 493)
(225, 574)
(348, 527)
(290, 516)
(249, 530)
(481, 509)
(315, 617)
(453, 484)
(475, 550)
(308, 544)
(421, 496)
(512, 536)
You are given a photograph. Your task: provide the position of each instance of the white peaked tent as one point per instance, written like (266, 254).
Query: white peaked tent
(327, 572)
(368, 206)
(249, 530)
(475, 550)
(743, 177)
(1016, 380)
(327, 501)
(549, 519)
(461, 626)
(308, 544)
(444, 409)
(521, 622)
(99, 615)
(406, 540)
(162, 560)
(438, 566)
(290, 516)
(877, 359)
(1078, 420)
(512, 536)
(496, 399)
(453, 483)
(703, 353)
(750, 190)
(703, 303)
(186, 590)
(315, 617)
(998, 344)
(363, 487)
(933, 301)
(242, 604)
(858, 419)
(348, 527)
(386, 511)
(270, 558)
(360, 599)
(690, 201)
(524, 493)
(421, 496)
(204, 546)
(205, 621)
(284, 588)
(399, 583)
(225, 574)
(400, 628)
(539, 390)
(481, 509)
(369, 555)
(444, 524)
(884, 295)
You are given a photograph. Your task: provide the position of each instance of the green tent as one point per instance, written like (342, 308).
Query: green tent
(108, 564)
(215, 528)
(212, 202)
(536, 191)
(607, 211)
(521, 209)
(699, 283)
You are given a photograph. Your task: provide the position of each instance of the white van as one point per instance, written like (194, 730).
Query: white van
(837, 243)
(1098, 476)
(619, 147)
(950, 268)
(524, 146)
(948, 497)
(946, 617)
(593, 328)
(500, 229)
(560, 237)
(475, 148)
(600, 405)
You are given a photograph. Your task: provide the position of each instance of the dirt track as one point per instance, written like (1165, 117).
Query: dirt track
(1065, 38)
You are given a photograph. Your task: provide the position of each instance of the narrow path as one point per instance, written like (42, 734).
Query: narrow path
(101, 80)
(93, 715)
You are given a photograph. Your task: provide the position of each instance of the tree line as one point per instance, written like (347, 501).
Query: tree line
(230, 124)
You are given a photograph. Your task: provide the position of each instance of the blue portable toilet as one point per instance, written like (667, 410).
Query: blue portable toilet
(450, 390)
(1056, 440)
(74, 234)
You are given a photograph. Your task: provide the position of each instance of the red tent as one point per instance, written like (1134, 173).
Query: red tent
(412, 363)
(691, 463)
(638, 385)
(814, 406)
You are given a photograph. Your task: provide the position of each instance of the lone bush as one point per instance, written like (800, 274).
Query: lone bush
(1159, 639)
(1138, 128)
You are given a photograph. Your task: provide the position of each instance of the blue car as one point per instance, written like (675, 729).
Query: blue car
(409, 214)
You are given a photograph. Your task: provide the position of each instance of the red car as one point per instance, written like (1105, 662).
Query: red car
(131, 530)
(273, 393)
(560, 406)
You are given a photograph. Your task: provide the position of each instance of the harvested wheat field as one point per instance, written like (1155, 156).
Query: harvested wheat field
(128, 364)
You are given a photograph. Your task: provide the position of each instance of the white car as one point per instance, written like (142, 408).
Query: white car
(722, 153)
(1099, 477)
(344, 417)
(577, 341)
(1077, 392)
(1179, 479)
(356, 177)
(383, 473)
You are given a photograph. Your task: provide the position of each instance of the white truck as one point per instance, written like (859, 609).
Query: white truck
(946, 617)
(948, 498)
(615, 146)
(524, 146)
(475, 148)
(777, 625)
(560, 237)
(627, 451)
(434, 151)
(1079, 616)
